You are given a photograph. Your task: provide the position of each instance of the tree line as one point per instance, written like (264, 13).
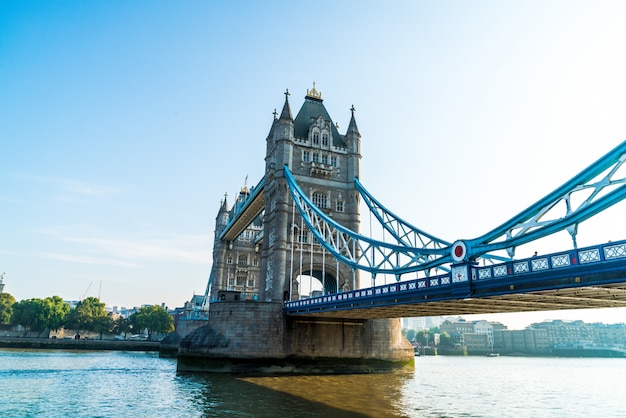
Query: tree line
(426, 337)
(89, 315)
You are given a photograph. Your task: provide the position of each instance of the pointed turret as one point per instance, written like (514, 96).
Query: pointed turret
(353, 130)
(281, 142)
(286, 113)
(353, 143)
(224, 204)
(270, 135)
(353, 137)
(222, 216)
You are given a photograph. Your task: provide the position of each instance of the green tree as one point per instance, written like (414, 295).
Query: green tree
(40, 314)
(153, 318)
(6, 307)
(57, 311)
(444, 339)
(121, 326)
(31, 314)
(410, 334)
(102, 324)
(423, 337)
(87, 315)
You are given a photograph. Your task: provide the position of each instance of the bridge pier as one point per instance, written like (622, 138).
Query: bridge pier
(255, 337)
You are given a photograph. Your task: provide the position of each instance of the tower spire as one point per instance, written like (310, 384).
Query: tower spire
(224, 203)
(286, 113)
(352, 128)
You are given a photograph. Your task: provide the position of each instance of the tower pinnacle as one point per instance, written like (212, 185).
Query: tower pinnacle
(314, 94)
(352, 128)
(286, 113)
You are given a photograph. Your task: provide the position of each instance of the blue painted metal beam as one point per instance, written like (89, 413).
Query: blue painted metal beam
(413, 250)
(528, 226)
(592, 271)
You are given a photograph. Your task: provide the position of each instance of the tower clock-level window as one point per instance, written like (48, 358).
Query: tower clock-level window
(339, 207)
(241, 279)
(306, 156)
(319, 200)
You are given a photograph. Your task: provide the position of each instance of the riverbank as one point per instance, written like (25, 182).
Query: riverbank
(67, 344)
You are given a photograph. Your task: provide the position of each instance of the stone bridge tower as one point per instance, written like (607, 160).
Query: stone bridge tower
(324, 163)
(247, 330)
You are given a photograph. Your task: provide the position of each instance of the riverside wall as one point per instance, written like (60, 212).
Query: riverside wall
(66, 344)
(255, 337)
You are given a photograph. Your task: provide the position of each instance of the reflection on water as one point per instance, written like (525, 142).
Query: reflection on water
(113, 384)
(350, 395)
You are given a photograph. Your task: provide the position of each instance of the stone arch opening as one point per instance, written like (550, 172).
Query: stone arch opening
(313, 283)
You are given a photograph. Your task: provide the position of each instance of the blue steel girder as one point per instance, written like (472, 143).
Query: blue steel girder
(591, 277)
(414, 250)
(403, 232)
(597, 187)
(358, 251)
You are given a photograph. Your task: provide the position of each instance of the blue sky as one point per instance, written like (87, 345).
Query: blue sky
(122, 124)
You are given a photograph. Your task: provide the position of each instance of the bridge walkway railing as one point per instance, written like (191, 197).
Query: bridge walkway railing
(555, 264)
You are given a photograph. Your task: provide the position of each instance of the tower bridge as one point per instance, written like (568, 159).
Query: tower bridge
(303, 219)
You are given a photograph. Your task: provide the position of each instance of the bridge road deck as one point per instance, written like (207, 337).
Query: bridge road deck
(592, 277)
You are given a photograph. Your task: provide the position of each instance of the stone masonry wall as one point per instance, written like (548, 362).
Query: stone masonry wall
(255, 336)
(238, 330)
(367, 339)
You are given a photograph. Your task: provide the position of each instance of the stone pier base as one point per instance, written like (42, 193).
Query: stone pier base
(255, 337)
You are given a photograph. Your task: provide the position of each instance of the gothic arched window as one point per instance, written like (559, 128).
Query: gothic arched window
(316, 137)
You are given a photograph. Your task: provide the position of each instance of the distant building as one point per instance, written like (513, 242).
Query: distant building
(528, 340)
(422, 322)
(546, 336)
(414, 323)
(566, 332)
(614, 334)
(193, 310)
(475, 335)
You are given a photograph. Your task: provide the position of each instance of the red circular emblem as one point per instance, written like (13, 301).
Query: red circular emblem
(459, 251)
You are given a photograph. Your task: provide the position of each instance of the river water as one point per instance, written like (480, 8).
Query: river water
(136, 384)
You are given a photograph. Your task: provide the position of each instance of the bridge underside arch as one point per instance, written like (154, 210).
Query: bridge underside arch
(316, 282)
